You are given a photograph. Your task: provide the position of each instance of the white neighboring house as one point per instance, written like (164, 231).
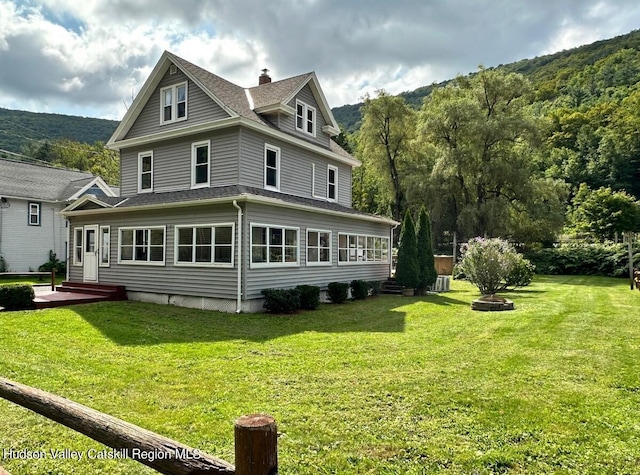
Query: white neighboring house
(31, 198)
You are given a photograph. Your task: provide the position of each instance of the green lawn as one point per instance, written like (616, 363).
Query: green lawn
(392, 385)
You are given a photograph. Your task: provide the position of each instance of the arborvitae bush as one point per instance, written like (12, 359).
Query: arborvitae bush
(359, 289)
(407, 273)
(426, 262)
(281, 300)
(16, 296)
(338, 292)
(309, 296)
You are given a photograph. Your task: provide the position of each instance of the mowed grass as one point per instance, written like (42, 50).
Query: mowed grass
(392, 385)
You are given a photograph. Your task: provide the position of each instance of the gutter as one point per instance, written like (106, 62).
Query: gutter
(239, 260)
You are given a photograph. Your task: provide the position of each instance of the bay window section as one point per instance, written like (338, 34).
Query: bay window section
(141, 245)
(274, 246)
(205, 245)
(362, 249)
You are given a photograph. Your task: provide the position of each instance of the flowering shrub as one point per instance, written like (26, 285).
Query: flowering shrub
(493, 265)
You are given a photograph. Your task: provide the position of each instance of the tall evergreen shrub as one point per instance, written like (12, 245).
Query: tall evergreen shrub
(407, 273)
(427, 274)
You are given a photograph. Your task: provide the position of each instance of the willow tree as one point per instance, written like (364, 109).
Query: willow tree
(485, 140)
(384, 141)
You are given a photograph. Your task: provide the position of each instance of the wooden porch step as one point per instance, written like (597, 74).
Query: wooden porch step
(390, 287)
(111, 291)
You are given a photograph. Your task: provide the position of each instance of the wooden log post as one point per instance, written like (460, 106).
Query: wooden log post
(256, 440)
(53, 282)
(160, 453)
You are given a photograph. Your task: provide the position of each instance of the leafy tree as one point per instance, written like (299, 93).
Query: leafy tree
(604, 212)
(407, 272)
(485, 142)
(384, 144)
(426, 263)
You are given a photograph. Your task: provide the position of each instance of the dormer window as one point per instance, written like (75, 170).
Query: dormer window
(305, 118)
(174, 103)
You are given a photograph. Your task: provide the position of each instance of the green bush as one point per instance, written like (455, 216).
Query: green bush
(493, 265)
(16, 296)
(374, 287)
(359, 289)
(53, 263)
(606, 259)
(337, 292)
(309, 296)
(281, 300)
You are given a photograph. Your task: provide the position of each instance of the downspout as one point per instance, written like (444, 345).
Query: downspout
(239, 260)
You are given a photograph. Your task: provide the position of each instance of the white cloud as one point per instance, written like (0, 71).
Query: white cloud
(87, 57)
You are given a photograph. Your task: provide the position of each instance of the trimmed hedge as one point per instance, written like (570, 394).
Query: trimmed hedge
(16, 296)
(374, 287)
(338, 292)
(359, 289)
(281, 300)
(309, 296)
(606, 259)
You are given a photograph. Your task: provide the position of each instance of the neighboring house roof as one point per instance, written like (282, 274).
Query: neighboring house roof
(238, 102)
(221, 193)
(38, 181)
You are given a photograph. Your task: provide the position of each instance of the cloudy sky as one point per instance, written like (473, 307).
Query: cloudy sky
(89, 57)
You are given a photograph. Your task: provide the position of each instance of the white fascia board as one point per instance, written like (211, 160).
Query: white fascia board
(275, 108)
(239, 198)
(82, 200)
(230, 122)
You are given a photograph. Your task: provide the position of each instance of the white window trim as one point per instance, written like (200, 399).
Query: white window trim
(335, 184)
(275, 149)
(142, 155)
(205, 264)
(38, 213)
(76, 231)
(108, 263)
(194, 147)
(271, 265)
(320, 263)
(142, 263)
(306, 107)
(174, 103)
(363, 263)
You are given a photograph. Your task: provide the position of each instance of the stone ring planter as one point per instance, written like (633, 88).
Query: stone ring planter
(492, 303)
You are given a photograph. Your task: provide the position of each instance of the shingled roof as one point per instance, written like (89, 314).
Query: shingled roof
(20, 179)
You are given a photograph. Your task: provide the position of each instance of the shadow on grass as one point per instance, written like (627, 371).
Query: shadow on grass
(137, 323)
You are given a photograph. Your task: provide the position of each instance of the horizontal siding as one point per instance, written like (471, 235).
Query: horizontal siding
(200, 109)
(288, 123)
(167, 279)
(172, 162)
(25, 247)
(287, 277)
(296, 165)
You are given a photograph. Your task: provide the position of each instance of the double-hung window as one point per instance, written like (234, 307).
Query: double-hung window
(200, 164)
(273, 246)
(205, 245)
(34, 214)
(174, 103)
(271, 167)
(332, 183)
(318, 247)
(362, 249)
(305, 118)
(145, 172)
(78, 250)
(141, 245)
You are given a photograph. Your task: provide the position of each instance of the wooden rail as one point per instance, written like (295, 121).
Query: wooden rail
(39, 274)
(255, 436)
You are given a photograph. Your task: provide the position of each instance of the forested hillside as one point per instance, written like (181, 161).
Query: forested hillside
(552, 75)
(20, 129)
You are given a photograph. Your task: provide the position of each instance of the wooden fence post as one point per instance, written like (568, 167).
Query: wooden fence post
(53, 282)
(256, 443)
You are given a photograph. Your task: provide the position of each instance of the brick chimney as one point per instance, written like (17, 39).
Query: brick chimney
(264, 78)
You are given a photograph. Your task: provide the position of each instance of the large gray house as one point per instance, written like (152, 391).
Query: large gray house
(226, 191)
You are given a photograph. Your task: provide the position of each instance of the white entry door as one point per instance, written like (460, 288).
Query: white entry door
(90, 266)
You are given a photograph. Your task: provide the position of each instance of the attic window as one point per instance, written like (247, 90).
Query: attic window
(305, 118)
(173, 101)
